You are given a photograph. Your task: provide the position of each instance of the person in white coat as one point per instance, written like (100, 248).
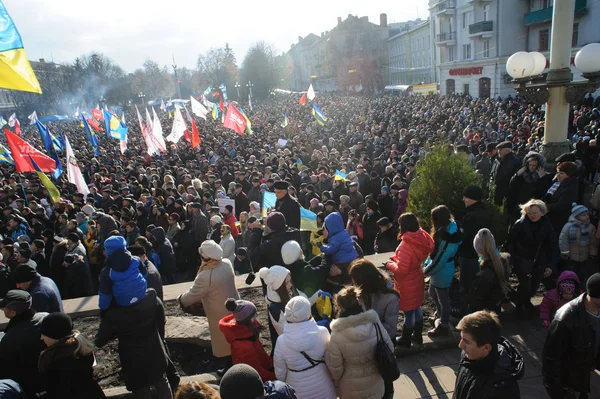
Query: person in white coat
(299, 354)
(350, 355)
(227, 243)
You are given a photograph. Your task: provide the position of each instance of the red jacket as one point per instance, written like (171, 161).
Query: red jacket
(245, 348)
(406, 265)
(230, 220)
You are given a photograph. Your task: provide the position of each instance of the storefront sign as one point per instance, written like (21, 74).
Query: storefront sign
(466, 71)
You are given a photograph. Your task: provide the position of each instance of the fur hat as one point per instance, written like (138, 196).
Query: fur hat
(273, 276)
(290, 252)
(210, 249)
(297, 310)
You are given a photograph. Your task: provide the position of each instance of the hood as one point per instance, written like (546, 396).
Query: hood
(403, 194)
(232, 330)
(356, 328)
(510, 361)
(159, 234)
(531, 155)
(420, 241)
(334, 223)
(568, 275)
(454, 235)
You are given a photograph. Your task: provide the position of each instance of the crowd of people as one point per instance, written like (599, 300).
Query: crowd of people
(332, 314)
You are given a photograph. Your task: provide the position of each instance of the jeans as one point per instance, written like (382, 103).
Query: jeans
(441, 299)
(468, 270)
(163, 390)
(528, 285)
(412, 317)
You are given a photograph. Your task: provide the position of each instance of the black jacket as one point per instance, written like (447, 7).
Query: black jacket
(522, 189)
(477, 217)
(268, 253)
(290, 209)
(561, 202)
(370, 230)
(139, 328)
(486, 292)
(493, 377)
(568, 356)
(387, 241)
(164, 249)
(528, 240)
(78, 280)
(507, 167)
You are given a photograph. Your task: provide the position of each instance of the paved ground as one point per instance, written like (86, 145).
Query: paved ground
(433, 374)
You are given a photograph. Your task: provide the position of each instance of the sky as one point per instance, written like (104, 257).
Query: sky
(131, 31)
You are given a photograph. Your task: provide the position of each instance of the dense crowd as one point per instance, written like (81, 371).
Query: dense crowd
(333, 315)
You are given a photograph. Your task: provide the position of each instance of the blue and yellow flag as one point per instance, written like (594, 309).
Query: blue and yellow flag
(54, 193)
(248, 124)
(299, 164)
(207, 91)
(269, 200)
(215, 111)
(319, 115)
(308, 220)
(90, 135)
(284, 121)
(5, 155)
(340, 176)
(114, 128)
(15, 69)
(50, 141)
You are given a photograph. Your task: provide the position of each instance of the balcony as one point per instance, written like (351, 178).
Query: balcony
(484, 29)
(447, 7)
(545, 14)
(446, 39)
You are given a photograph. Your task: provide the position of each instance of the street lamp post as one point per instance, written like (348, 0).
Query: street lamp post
(141, 97)
(237, 87)
(249, 85)
(558, 89)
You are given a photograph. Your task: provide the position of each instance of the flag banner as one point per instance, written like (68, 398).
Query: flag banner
(282, 142)
(221, 105)
(97, 114)
(163, 107)
(74, 172)
(158, 136)
(114, 127)
(46, 182)
(284, 121)
(76, 114)
(178, 129)
(93, 123)
(197, 108)
(248, 124)
(250, 102)
(32, 118)
(90, 135)
(359, 88)
(310, 94)
(15, 70)
(269, 200)
(187, 114)
(5, 155)
(22, 153)
(215, 111)
(2, 121)
(223, 90)
(319, 115)
(299, 164)
(123, 145)
(308, 220)
(207, 91)
(14, 122)
(235, 120)
(150, 149)
(195, 135)
(302, 100)
(340, 176)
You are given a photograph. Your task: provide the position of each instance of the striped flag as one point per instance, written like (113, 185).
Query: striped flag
(46, 182)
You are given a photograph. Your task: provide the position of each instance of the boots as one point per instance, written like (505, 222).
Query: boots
(404, 340)
(418, 333)
(441, 330)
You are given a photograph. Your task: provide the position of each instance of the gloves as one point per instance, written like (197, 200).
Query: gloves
(546, 323)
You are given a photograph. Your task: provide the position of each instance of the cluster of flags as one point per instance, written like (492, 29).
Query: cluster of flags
(319, 115)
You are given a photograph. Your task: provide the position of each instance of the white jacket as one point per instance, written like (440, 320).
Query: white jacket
(228, 246)
(307, 336)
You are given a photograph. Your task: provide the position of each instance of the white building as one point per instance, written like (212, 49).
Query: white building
(410, 54)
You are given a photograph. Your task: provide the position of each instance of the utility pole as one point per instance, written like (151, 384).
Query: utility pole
(177, 81)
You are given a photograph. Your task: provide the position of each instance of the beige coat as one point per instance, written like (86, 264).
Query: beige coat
(573, 250)
(213, 286)
(350, 356)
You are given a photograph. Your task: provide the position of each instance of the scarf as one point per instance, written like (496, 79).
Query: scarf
(209, 264)
(584, 232)
(553, 189)
(531, 177)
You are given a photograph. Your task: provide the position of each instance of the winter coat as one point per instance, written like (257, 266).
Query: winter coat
(246, 347)
(533, 241)
(507, 167)
(78, 280)
(387, 307)
(199, 228)
(552, 300)
(119, 279)
(387, 241)
(440, 265)
(309, 382)
(561, 202)
(568, 357)
(227, 243)
(370, 230)
(20, 349)
(152, 276)
(230, 220)
(406, 266)
(350, 356)
(268, 253)
(164, 250)
(9, 389)
(290, 209)
(132, 236)
(139, 328)
(68, 370)
(486, 292)
(574, 250)
(493, 377)
(214, 283)
(45, 296)
(477, 217)
(276, 310)
(340, 245)
(279, 390)
(386, 205)
(523, 188)
(242, 203)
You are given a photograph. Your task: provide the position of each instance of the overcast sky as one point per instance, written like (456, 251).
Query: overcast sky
(131, 31)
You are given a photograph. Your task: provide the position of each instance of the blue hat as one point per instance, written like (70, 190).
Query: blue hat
(386, 188)
(113, 244)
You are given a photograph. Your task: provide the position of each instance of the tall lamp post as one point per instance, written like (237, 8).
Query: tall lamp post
(237, 87)
(249, 85)
(557, 90)
(141, 97)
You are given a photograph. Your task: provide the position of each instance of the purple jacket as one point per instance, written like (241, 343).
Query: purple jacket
(552, 300)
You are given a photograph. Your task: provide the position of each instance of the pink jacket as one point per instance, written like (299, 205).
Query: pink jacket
(552, 300)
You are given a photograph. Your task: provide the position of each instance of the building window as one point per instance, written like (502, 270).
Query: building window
(466, 88)
(544, 42)
(451, 54)
(465, 20)
(546, 3)
(486, 49)
(486, 12)
(575, 34)
(466, 51)
(450, 86)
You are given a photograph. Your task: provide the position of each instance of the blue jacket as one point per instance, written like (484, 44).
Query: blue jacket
(340, 245)
(440, 266)
(279, 390)
(121, 279)
(45, 296)
(18, 231)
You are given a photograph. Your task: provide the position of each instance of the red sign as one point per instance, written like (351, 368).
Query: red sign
(466, 71)
(234, 120)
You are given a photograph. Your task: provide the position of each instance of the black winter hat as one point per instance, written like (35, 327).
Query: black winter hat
(23, 273)
(473, 192)
(57, 325)
(593, 286)
(241, 382)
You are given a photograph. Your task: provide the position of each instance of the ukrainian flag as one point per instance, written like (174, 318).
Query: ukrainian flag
(269, 200)
(15, 69)
(90, 135)
(248, 124)
(299, 164)
(54, 193)
(215, 111)
(340, 176)
(308, 220)
(114, 128)
(284, 121)
(5, 155)
(319, 115)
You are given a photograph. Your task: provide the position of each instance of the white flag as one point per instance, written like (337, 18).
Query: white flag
(73, 172)
(198, 108)
(97, 105)
(76, 115)
(150, 147)
(163, 107)
(32, 118)
(157, 133)
(123, 145)
(310, 94)
(12, 120)
(179, 127)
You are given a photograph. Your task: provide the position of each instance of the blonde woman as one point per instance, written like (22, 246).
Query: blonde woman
(244, 236)
(227, 243)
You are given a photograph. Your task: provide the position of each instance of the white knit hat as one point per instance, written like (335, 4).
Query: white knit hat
(88, 210)
(290, 252)
(297, 310)
(216, 219)
(273, 276)
(210, 249)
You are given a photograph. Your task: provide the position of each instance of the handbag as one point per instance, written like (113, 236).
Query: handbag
(251, 276)
(386, 361)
